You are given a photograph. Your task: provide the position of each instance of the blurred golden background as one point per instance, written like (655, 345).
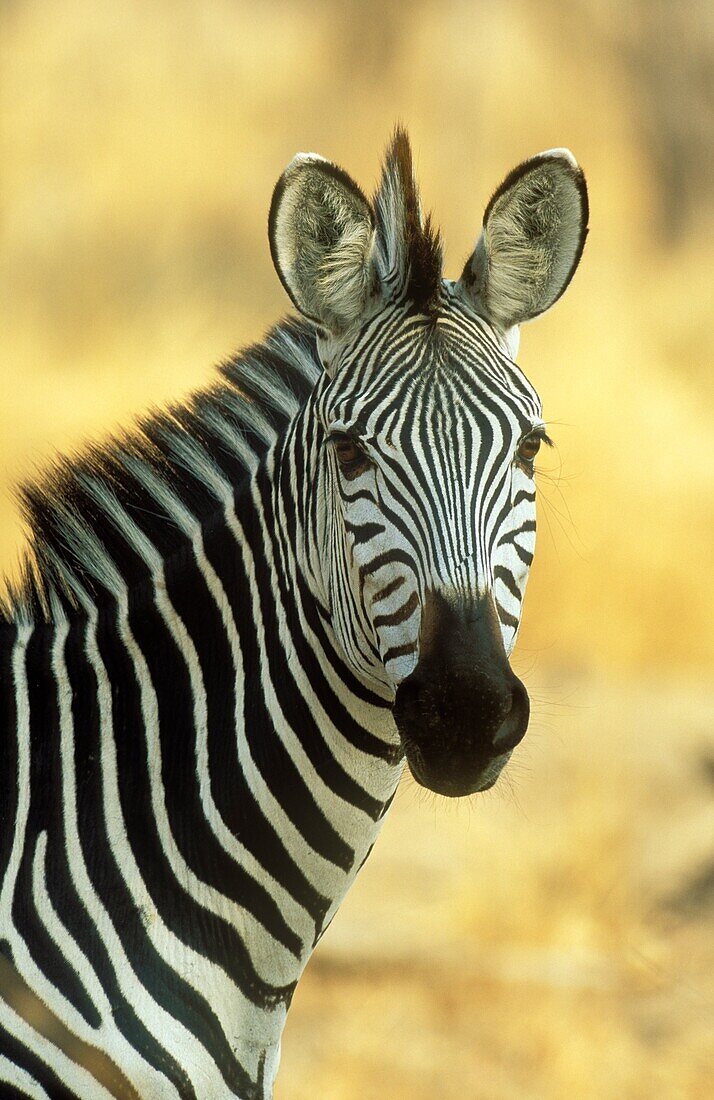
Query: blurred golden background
(552, 939)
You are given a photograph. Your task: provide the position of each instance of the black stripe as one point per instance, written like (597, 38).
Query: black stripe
(364, 532)
(8, 746)
(389, 589)
(400, 615)
(399, 651)
(504, 575)
(525, 555)
(521, 495)
(505, 616)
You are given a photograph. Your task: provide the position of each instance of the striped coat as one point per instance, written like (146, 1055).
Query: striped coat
(237, 621)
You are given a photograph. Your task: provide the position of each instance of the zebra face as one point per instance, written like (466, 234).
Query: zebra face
(427, 431)
(430, 432)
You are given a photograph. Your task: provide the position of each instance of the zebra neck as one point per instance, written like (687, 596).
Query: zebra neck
(343, 722)
(194, 781)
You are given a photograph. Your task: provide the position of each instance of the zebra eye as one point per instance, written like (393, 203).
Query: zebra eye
(528, 448)
(351, 457)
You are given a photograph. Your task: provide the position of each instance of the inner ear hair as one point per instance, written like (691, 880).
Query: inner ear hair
(534, 232)
(321, 230)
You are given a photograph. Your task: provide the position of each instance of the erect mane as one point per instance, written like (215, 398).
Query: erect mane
(409, 247)
(172, 458)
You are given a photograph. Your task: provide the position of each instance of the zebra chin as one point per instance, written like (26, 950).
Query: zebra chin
(456, 779)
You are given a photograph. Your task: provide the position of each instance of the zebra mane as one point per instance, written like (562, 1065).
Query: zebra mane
(174, 462)
(179, 460)
(409, 249)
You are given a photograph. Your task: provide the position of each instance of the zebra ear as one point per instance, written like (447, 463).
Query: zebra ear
(534, 230)
(321, 230)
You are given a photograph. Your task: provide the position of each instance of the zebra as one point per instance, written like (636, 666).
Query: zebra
(237, 621)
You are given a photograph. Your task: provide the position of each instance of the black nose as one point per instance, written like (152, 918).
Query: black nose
(462, 708)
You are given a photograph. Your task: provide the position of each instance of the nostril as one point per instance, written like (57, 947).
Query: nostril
(515, 723)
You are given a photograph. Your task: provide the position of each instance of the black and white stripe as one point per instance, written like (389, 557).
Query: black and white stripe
(198, 667)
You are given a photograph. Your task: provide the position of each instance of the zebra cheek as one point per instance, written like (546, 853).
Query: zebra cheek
(400, 667)
(395, 613)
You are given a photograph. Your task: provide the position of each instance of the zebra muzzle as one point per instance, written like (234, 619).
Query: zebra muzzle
(462, 711)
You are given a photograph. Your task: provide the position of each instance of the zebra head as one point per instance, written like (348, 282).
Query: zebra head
(428, 431)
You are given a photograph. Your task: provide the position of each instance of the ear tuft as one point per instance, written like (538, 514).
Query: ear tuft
(321, 230)
(533, 236)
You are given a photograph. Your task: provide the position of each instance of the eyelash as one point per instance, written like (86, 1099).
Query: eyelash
(527, 460)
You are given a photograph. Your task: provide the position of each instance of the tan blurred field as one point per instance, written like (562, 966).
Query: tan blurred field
(553, 939)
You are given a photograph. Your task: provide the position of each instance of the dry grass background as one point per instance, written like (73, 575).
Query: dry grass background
(552, 939)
